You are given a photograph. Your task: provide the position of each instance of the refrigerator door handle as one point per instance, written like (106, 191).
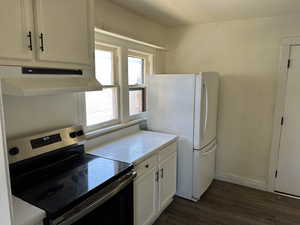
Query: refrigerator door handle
(206, 107)
(203, 105)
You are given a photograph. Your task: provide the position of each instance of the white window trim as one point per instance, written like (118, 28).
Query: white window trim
(116, 84)
(148, 69)
(123, 48)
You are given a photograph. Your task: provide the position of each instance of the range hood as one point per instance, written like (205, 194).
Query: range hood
(24, 81)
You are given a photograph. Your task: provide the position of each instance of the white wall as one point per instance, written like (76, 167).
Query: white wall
(246, 53)
(113, 18)
(29, 115)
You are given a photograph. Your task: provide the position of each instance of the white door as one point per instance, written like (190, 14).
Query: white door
(204, 169)
(145, 198)
(288, 171)
(63, 30)
(16, 25)
(167, 181)
(206, 109)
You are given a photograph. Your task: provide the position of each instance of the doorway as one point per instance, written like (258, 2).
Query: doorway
(287, 174)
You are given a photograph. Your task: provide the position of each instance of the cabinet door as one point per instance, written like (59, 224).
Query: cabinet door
(145, 198)
(167, 182)
(63, 31)
(15, 24)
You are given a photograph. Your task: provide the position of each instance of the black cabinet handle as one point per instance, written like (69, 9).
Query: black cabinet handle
(157, 176)
(29, 35)
(162, 173)
(42, 42)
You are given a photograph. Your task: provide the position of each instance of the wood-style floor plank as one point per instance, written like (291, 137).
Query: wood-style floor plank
(229, 204)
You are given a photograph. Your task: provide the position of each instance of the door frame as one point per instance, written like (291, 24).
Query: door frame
(5, 188)
(281, 83)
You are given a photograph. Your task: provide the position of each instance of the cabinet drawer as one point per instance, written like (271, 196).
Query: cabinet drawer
(167, 151)
(147, 165)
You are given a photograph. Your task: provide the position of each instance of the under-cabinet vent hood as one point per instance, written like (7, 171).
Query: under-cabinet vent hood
(21, 81)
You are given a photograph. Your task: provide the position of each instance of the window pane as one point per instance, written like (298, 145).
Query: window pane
(101, 106)
(104, 65)
(135, 70)
(135, 101)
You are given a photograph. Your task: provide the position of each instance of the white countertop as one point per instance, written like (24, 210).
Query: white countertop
(26, 214)
(134, 147)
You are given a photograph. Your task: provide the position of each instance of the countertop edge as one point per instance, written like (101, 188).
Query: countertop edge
(153, 152)
(22, 208)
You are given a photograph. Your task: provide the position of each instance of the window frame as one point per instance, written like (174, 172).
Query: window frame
(148, 68)
(122, 47)
(116, 84)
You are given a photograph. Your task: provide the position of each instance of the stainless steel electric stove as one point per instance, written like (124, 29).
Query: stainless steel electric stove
(52, 172)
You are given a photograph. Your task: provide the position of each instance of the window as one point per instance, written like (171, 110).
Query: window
(136, 101)
(102, 106)
(135, 71)
(136, 82)
(123, 75)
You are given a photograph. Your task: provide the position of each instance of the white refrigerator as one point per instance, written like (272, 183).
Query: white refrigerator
(186, 105)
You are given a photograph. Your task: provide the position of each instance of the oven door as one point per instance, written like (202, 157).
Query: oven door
(113, 205)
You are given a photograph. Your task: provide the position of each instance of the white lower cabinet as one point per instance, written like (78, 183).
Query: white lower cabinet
(167, 181)
(145, 192)
(155, 185)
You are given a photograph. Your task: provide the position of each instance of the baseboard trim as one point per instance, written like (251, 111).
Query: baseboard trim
(256, 184)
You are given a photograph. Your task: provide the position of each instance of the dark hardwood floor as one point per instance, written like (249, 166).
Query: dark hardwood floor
(230, 204)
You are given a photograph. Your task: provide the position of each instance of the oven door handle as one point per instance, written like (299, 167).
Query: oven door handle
(94, 201)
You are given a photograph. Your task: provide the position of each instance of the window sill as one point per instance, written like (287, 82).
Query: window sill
(138, 116)
(100, 132)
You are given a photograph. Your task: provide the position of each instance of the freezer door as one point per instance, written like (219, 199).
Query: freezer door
(206, 109)
(204, 169)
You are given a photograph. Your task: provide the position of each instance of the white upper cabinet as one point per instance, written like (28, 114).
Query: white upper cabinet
(63, 31)
(16, 27)
(47, 33)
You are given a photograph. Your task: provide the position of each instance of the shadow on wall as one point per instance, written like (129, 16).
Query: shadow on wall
(245, 124)
(31, 115)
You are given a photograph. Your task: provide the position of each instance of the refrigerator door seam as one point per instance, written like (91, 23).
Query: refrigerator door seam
(205, 146)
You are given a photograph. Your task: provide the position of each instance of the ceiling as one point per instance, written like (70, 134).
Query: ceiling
(179, 12)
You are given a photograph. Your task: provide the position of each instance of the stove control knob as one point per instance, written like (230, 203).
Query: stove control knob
(14, 151)
(80, 133)
(73, 134)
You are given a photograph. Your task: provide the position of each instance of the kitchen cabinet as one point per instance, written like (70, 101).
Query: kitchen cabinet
(154, 156)
(155, 185)
(43, 33)
(16, 30)
(167, 181)
(63, 30)
(145, 192)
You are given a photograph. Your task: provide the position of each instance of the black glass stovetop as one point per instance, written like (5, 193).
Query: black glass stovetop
(61, 185)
